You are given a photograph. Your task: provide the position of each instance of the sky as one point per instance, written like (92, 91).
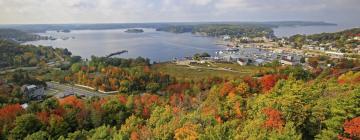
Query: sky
(139, 11)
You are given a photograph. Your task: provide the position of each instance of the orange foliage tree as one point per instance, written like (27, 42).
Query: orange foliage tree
(188, 132)
(350, 78)
(352, 128)
(273, 119)
(227, 88)
(268, 82)
(73, 101)
(9, 113)
(252, 83)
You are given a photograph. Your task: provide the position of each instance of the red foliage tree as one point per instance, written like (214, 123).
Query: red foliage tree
(268, 82)
(176, 99)
(253, 83)
(227, 88)
(149, 99)
(134, 135)
(97, 104)
(178, 88)
(274, 120)
(145, 113)
(43, 117)
(73, 101)
(9, 113)
(122, 99)
(352, 128)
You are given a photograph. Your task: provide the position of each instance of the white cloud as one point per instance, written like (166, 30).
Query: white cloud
(65, 11)
(200, 2)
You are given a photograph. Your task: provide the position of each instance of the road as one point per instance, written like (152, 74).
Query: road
(20, 68)
(61, 90)
(219, 69)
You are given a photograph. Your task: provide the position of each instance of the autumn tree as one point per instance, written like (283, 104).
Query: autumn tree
(273, 119)
(268, 82)
(24, 125)
(187, 132)
(9, 112)
(352, 128)
(73, 101)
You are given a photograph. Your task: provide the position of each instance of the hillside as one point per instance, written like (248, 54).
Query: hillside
(15, 55)
(156, 102)
(18, 36)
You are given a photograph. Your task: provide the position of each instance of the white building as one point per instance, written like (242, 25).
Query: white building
(287, 62)
(226, 37)
(335, 54)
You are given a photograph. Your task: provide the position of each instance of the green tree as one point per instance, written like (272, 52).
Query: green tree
(114, 112)
(132, 124)
(102, 133)
(75, 67)
(40, 135)
(152, 87)
(24, 125)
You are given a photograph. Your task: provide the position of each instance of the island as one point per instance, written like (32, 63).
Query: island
(134, 31)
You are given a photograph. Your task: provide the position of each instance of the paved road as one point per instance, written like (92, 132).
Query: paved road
(62, 90)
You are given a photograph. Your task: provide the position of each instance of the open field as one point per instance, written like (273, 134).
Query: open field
(201, 71)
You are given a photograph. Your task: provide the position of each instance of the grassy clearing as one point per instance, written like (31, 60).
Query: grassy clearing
(202, 71)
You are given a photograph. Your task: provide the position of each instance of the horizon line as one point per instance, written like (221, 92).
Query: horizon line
(165, 22)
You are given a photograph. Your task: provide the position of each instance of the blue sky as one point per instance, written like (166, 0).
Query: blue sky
(122, 11)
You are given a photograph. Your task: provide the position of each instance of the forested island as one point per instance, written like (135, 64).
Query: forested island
(217, 30)
(134, 31)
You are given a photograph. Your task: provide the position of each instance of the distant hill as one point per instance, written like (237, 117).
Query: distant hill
(184, 25)
(342, 39)
(298, 23)
(18, 36)
(342, 35)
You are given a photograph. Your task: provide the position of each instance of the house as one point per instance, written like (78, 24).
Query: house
(242, 62)
(357, 37)
(259, 62)
(226, 37)
(322, 49)
(335, 54)
(287, 62)
(33, 92)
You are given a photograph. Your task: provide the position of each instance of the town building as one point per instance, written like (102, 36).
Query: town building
(33, 92)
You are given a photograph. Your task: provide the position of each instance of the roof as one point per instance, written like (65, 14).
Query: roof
(24, 106)
(31, 86)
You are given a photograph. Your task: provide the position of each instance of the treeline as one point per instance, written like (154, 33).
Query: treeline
(275, 106)
(341, 36)
(19, 36)
(343, 39)
(217, 30)
(15, 55)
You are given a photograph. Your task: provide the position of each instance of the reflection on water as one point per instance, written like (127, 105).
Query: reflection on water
(158, 46)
